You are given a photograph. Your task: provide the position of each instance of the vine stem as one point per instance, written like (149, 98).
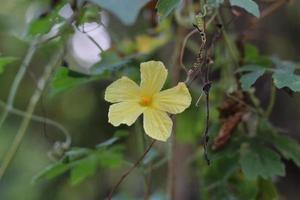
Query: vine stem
(42, 120)
(187, 37)
(19, 76)
(136, 164)
(8, 157)
(271, 102)
(37, 41)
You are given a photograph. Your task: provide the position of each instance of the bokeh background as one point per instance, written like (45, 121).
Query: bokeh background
(83, 111)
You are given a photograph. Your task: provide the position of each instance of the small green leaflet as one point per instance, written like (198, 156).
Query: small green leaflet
(283, 65)
(76, 153)
(4, 61)
(107, 143)
(52, 171)
(246, 189)
(215, 3)
(165, 7)
(248, 79)
(40, 26)
(290, 80)
(126, 10)
(83, 169)
(267, 190)
(83, 162)
(284, 75)
(288, 147)
(253, 56)
(110, 61)
(62, 81)
(249, 5)
(257, 160)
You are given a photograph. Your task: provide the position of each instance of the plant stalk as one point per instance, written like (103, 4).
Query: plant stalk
(8, 157)
(16, 83)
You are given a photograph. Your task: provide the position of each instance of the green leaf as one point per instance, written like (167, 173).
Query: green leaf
(285, 79)
(288, 147)
(76, 153)
(126, 10)
(52, 171)
(283, 65)
(248, 79)
(111, 158)
(110, 61)
(284, 75)
(221, 169)
(107, 142)
(4, 61)
(246, 189)
(250, 68)
(215, 3)
(222, 193)
(62, 81)
(165, 7)
(253, 56)
(257, 160)
(89, 13)
(83, 162)
(249, 5)
(40, 26)
(121, 133)
(83, 168)
(267, 190)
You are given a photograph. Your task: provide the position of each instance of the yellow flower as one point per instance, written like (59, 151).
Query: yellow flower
(131, 100)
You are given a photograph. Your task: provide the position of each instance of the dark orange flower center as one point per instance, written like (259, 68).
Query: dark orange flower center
(145, 101)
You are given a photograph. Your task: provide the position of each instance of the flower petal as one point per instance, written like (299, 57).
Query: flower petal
(124, 113)
(153, 76)
(122, 89)
(157, 124)
(174, 100)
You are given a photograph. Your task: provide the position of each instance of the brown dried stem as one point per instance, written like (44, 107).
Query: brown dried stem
(136, 164)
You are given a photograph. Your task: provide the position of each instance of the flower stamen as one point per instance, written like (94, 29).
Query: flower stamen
(145, 101)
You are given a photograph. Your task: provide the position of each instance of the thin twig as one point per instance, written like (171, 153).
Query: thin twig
(183, 48)
(91, 38)
(136, 164)
(95, 42)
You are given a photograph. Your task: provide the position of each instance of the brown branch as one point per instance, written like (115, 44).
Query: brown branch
(136, 164)
(273, 8)
(186, 39)
(183, 48)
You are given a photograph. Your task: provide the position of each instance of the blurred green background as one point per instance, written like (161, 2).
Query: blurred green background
(81, 109)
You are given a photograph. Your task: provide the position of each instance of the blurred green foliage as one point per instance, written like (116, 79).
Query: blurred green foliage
(247, 167)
